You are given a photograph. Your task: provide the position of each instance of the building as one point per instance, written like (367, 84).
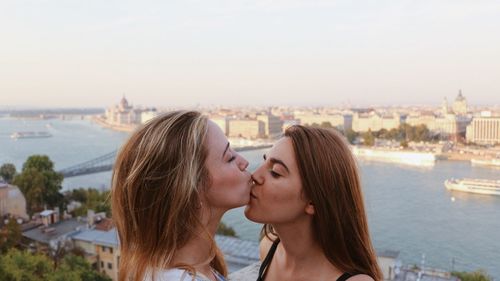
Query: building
(290, 122)
(148, 115)
(222, 122)
(426, 274)
(388, 263)
(12, 201)
(373, 121)
(124, 114)
(336, 120)
(101, 249)
(246, 128)
(460, 104)
(273, 126)
(449, 126)
(484, 130)
(108, 251)
(49, 236)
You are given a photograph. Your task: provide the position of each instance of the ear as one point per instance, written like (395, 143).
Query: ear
(310, 208)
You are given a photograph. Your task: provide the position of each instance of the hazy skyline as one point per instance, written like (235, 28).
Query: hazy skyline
(62, 53)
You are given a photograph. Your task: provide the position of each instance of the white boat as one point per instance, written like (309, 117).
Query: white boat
(481, 186)
(30, 135)
(412, 158)
(495, 162)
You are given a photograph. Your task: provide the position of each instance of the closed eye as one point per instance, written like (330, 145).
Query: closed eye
(231, 159)
(274, 174)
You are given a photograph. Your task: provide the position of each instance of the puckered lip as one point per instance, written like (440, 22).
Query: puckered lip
(253, 196)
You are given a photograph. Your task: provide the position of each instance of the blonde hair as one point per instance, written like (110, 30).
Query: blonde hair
(157, 179)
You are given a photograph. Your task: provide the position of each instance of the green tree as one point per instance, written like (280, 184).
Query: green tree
(75, 268)
(368, 138)
(422, 133)
(223, 229)
(23, 266)
(382, 134)
(478, 275)
(404, 144)
(17, 265)
(10, 235)
(326, 125)
(351, 135)
(7, 172)
(39, 183)
(90, 198)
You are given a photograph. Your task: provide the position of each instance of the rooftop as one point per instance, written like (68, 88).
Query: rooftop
(387, 253)
(408, 275)
(45, 234)
(237, 252)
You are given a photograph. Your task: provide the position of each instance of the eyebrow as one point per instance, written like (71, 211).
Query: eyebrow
(277, 161)
(225, 150)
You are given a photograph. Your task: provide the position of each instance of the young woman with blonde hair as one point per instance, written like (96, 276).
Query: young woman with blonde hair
(308, 195)
(173, 180)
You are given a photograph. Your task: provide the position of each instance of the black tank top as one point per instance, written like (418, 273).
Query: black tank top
(267, 261)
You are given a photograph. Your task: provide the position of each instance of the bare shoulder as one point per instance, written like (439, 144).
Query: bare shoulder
(360, 277)
(264, 246)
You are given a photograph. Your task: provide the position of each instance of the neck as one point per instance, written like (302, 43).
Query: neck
(299, 248)
(196, 252)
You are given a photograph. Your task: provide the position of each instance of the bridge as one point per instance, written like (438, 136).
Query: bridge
(105, 163)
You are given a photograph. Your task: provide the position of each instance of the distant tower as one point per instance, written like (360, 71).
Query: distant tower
(124, 103)
(460, 104)
(444, 106)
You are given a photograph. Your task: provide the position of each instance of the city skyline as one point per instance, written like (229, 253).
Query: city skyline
(236, 53)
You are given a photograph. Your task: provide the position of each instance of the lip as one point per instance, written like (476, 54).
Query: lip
(253, 196)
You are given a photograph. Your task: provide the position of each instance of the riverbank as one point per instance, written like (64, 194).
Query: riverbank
(120, 128)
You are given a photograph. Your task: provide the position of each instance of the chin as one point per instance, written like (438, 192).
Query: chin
(250, 216)
(244, 201)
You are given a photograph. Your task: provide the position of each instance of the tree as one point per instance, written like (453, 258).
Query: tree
(326, 125)
(39, 183)
(351, 135)
(17, 265)
(368, 138)
(90, 198)
(75, 268)
(404, 144)
(10, 235)
(478, 275)
(7, 172)
(223, 229)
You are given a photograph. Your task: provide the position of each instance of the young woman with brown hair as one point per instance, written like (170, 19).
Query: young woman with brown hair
(172, 182)
(308, 194)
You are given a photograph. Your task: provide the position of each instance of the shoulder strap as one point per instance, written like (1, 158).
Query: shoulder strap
(267, 260)
(344, 277)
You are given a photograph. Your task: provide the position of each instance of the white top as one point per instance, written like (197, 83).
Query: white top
(176, 274)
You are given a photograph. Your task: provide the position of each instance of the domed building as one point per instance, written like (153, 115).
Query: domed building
(12, 201)
(460, 104)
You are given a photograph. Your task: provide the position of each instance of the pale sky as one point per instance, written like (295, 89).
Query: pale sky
(87, 53)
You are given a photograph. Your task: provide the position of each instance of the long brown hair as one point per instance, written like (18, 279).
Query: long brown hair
(330, 179)
(157, 180)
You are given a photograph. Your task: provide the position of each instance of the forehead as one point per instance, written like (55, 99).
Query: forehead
(216, 140)
(283, 150)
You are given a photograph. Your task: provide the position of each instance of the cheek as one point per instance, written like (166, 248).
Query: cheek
(228, 178)
(277, 203)
(229, 188)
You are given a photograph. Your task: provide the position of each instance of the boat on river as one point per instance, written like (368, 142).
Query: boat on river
(30, 135)
(480, 186)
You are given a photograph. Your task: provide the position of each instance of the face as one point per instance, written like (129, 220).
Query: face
(230, 181)
(277, 196)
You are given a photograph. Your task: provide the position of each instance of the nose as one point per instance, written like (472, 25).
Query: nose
(258, 177)
(243, 163)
